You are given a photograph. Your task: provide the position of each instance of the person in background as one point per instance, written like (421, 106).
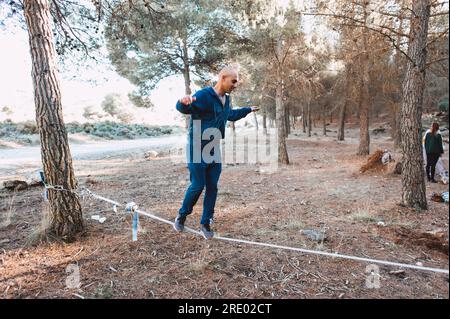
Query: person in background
(432, 141)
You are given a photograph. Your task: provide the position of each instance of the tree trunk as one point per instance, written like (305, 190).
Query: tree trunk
(413, 182)
(343, 109)
(264, 123)
(280, 114)
(364, 137)
(187, 80)
(396, 133)
(256, 121)
(287, 125)
(363, 101)
(308, 110)
(303, 118)
(233, 126)
(324, 119)
(66, 220)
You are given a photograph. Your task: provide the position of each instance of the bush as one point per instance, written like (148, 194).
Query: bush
(28, 127)
(87, 128)
(106, 129)
(443, 105)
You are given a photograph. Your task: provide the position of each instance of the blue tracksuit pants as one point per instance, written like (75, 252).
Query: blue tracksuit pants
(202, 176)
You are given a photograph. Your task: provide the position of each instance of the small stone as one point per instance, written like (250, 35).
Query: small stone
(314, 235)
(151, 154)
(397, 272)
(438, 233)
(4, 241)
(15, 185)
(100, 219)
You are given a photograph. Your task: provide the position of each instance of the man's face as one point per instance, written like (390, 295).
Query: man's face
(230, 82)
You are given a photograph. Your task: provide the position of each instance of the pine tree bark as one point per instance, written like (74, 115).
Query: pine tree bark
(283, 157)
(287, 124)
(343, 111)
(341, 129)
(308, 110)
(364, 97)
(413, 181)
(264, 123)
(66, 220)
(303, 118)
(396, 134)
(187, 79)
(364, 137)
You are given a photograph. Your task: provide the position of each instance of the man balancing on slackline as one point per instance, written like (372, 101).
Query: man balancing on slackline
(210, 110)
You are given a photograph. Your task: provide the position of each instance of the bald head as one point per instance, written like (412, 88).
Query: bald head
(228, 71)
(228, 79)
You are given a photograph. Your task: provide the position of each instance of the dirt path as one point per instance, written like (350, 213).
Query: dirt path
(20, 161)
(320, 190)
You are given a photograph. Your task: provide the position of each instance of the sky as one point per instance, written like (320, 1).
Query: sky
(16, 89)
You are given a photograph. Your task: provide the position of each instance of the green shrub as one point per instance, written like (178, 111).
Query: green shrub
(106, 129)
(443, 105)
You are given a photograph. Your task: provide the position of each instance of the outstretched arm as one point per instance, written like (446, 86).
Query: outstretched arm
(237, 114)
(184, 105)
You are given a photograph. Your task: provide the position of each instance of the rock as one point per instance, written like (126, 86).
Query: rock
(17, 185)
(4, 241)
(445, 197)
(151, 154)
(314, 235)
(100, 219)
(34, 183)
(398, 168)
(379, 130)
(438, 233)
(437, 197)
(397, 272)
(387, 157)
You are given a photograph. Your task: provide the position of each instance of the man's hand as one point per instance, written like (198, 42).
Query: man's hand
(255, 108)
(187, 100)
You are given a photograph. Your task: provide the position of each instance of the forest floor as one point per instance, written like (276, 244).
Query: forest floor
(320, 190)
